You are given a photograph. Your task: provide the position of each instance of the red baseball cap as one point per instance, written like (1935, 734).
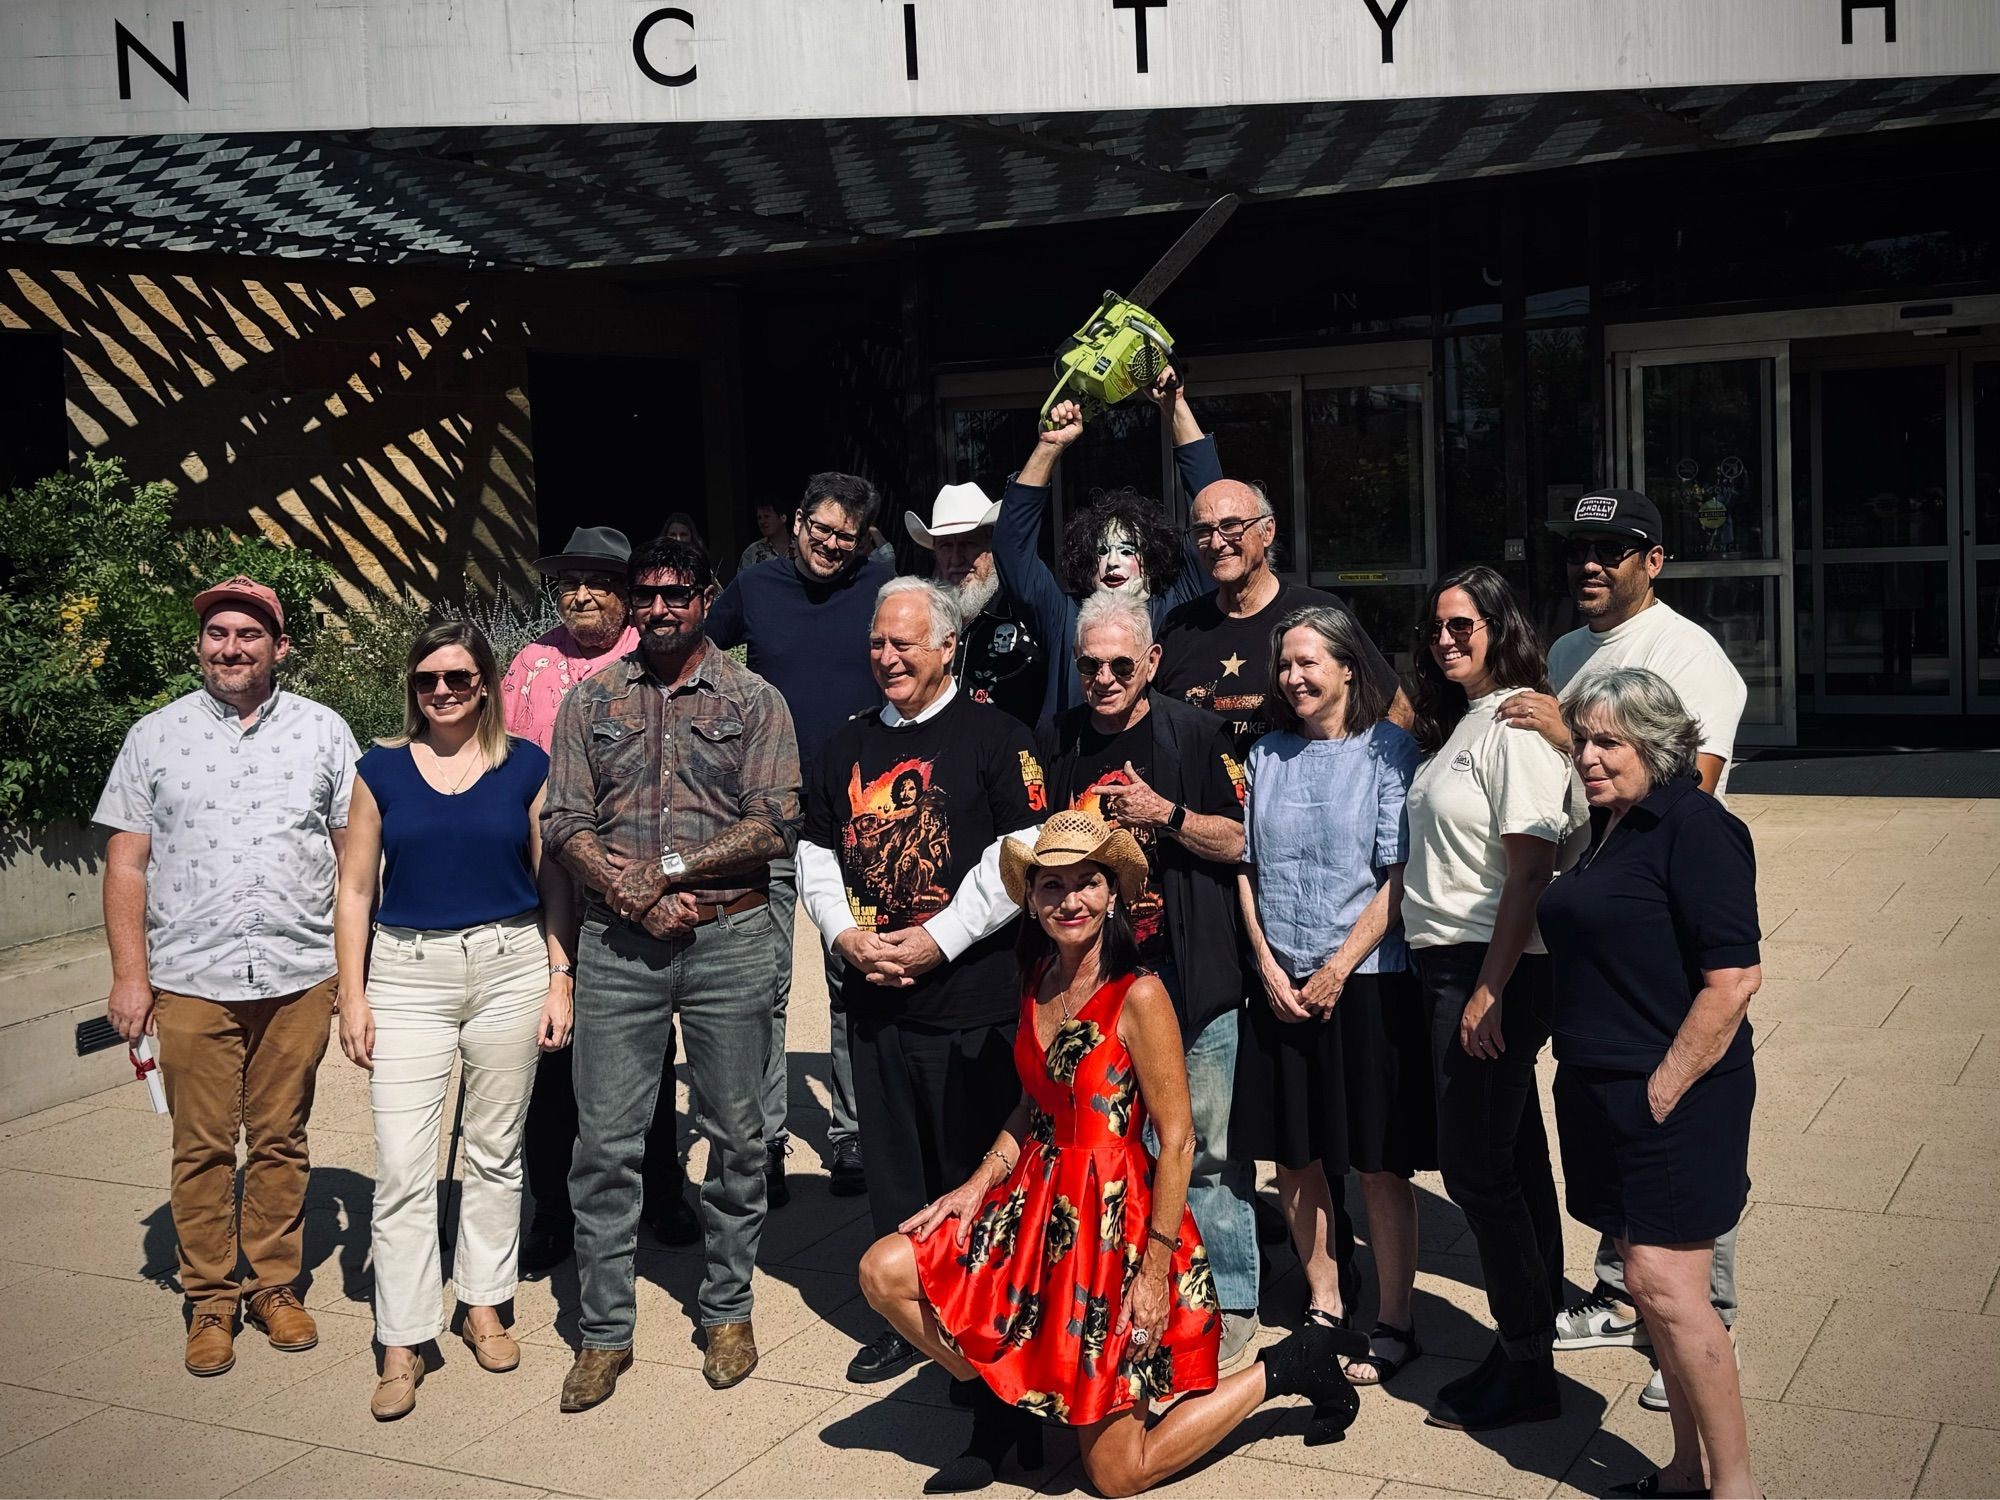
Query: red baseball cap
(246, 592)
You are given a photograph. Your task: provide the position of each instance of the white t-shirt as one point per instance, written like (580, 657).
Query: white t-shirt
(1486, 782)
(1692, 661)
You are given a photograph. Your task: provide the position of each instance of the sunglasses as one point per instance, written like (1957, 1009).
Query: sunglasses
(1460, 627)
(673, 595)
(1122, 667)
(1581, 549)
(457, 680)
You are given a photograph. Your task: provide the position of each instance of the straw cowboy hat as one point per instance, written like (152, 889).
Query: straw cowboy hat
(959, 508)
(1071, 838)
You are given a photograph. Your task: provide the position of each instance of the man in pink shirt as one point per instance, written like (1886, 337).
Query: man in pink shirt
(596, 630)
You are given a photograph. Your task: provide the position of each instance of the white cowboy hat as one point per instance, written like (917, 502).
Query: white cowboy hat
(959, 508)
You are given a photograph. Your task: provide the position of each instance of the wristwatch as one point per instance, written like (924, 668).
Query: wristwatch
(1177, 817)
(672, 865)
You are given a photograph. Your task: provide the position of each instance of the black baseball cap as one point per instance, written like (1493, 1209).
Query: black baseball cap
(1611, 513)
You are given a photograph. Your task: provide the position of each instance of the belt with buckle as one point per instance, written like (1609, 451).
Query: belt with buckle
(715, 911)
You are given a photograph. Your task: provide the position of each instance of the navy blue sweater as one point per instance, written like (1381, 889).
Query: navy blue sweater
(1671, 892)
(808, 639)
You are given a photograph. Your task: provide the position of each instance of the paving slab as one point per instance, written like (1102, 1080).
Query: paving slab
(1879, 1258)
(1924, 1364)
(1952, 1180)
(1827, 1001)
(1916, 1058)
(1872, 1108)
(113, 1452)
(1963, 1461)
(26, 1414)
(1982, 1071)
(332, 1474)
(1826, 1172)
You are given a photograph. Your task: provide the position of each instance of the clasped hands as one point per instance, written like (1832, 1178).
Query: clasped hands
(638, 892)
(1312, 1001)
(891, 959)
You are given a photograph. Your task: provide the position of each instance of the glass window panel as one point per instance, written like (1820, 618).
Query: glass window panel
(987, 445)
(1389, 614)
(1986, 630)
(1883, 456)
(1475, 450)
(1120, 447)
(1556, 255)
(1885, 626)
(1473, 255)
(1709, 463)
(1985, 506)
(1742, 614)
(1253, 433)
(1365, 476)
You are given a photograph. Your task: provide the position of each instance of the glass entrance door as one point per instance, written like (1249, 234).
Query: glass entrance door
(1981, 532)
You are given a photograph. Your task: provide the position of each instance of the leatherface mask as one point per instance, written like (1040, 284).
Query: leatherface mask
(1119, 568)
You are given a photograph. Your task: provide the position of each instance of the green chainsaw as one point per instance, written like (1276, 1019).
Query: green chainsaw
(1122, 348)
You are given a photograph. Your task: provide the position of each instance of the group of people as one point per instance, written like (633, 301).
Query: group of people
(1128, 874)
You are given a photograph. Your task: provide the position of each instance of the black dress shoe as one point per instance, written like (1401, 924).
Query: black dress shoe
(849, 1178)
(777, 1192)
(673, 1218)
(997, 1430)
(544, 1247)
(887, 1357)
(1520, 1390)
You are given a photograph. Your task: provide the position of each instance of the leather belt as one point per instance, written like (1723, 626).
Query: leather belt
(715, 911)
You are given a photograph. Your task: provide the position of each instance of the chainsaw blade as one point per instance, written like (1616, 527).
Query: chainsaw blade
(1183, 250)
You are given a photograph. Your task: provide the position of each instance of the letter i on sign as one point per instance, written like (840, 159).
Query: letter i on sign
(910, 42)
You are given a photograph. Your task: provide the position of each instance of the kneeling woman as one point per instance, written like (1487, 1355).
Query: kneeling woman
(1074, 1284)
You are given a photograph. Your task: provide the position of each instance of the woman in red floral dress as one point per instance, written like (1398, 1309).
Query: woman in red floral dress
(1075, 1286)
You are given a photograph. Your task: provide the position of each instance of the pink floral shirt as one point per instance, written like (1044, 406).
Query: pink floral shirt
(546, 669)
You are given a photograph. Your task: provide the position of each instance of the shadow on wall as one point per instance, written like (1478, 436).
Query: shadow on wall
(385, 430)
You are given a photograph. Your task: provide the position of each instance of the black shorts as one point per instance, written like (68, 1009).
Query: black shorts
(1648, 1183)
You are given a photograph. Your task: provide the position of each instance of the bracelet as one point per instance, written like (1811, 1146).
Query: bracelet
(1005, 1165)
(555, 969)
(1173, 1244)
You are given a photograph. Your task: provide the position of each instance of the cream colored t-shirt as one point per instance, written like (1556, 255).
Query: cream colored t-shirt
(1486, 782)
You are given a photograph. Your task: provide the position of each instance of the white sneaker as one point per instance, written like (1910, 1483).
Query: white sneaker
(1238, 1330)
(1601, 1322)
(1654, 1396)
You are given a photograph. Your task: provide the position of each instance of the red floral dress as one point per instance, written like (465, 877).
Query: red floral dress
(1031, 1298)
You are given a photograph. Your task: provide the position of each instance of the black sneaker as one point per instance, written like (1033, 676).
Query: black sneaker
(884, 1359)
(777, 1192)
(850, 1179)
(544, 1247)
(672, 1217)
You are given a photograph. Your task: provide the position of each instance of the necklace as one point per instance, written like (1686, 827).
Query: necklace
(1068, 999)
(439, 762)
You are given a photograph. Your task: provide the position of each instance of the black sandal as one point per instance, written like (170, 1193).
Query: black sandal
(1386, 1369)
(1649, 1489)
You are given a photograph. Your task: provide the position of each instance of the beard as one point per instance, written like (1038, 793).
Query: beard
(668, 642)
(975, 593)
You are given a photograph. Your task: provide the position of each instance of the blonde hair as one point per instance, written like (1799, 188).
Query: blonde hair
(491, 731)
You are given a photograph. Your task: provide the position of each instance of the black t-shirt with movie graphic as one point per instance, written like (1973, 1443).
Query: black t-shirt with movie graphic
(1223, 664)
(909, 811)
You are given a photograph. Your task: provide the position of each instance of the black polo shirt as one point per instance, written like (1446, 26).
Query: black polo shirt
(1671, 892)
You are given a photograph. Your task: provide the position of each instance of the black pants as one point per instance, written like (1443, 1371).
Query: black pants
(930, 1103)
(1492, 1148)
(549, 1139)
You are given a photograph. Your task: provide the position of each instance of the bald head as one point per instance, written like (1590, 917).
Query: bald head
(1233, 530)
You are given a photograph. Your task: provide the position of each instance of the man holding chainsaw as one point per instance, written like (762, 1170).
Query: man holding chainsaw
(1121, 541)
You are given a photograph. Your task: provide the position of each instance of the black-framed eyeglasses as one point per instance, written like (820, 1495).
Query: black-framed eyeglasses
(1122, 667)
(458, 680)
(824, 534)
(673, 595)
(1460, 628)
(1606, 552)
(1230, 529)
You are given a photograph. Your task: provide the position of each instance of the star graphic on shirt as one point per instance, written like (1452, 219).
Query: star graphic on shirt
(1232, 665)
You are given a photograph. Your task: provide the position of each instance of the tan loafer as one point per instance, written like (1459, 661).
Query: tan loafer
(593, 1377)
(732, 1355)
(211, 1346)
(396, 1395)
(495, 1351)
(288, 1326)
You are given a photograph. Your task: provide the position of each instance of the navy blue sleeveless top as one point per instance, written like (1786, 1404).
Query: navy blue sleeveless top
(459, 861)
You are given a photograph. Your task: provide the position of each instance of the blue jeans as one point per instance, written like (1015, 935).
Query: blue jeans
(629, 988)
(1219, 1190)
(840, 1063)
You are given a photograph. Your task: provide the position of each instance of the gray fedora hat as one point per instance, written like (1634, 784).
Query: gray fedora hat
(591, 548)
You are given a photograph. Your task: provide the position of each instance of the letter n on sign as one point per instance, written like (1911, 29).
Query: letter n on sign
(127, 44)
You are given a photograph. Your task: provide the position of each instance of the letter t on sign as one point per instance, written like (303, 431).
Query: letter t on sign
(1387, 24)
(1139, 9)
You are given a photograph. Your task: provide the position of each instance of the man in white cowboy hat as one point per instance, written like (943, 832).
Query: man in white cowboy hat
(999, 661)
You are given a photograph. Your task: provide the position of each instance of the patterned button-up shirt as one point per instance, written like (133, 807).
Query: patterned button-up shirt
(652, 771)
(543, 673)
(239, 880)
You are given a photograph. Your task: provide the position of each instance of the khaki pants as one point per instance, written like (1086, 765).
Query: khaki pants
(248, 1066)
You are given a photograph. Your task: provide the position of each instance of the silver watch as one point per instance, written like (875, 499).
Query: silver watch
(672, 865)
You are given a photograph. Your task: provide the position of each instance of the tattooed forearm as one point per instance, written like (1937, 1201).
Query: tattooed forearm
(585, 857)
(746, 848)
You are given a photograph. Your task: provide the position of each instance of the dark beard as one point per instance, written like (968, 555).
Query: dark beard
(668, 644)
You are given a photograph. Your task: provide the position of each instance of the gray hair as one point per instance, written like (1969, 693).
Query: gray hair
(1643, 707)
(946, 618)
(1103, 608)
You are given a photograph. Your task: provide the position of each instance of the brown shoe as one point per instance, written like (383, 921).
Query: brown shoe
(396, 1395)
(593, 1377)
(288, 1326)
(211, 1347)
(732, 1354)
(495, 1351)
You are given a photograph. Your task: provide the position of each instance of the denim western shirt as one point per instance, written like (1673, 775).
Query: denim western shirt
(240, 876)
(653, 770)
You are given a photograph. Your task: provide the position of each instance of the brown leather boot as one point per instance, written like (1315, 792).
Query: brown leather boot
(289, 1326)
(593, 1377)
(732, 1354)
(211, 1346)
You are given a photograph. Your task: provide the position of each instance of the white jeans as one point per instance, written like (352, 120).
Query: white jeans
(437, 995)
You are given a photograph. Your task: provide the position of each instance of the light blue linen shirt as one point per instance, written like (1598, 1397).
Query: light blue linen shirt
(239, 880)
(1323, 824)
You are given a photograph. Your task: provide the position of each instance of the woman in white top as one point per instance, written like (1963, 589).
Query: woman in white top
(1489, 811)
